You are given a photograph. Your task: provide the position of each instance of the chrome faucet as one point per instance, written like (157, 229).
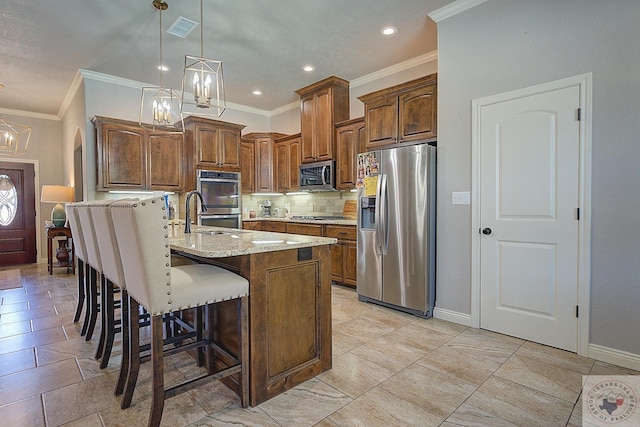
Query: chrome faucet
(187, 226)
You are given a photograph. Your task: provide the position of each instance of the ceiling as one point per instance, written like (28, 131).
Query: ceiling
(263, 44)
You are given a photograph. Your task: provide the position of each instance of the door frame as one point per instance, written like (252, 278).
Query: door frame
(36, 184)
(584, 83)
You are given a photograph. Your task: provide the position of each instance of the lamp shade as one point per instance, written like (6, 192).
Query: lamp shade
(57, 194)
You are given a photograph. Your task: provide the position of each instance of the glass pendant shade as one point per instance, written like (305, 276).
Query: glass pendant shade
(14, 138)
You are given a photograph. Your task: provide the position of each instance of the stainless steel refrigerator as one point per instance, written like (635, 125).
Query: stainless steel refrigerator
(396, 228)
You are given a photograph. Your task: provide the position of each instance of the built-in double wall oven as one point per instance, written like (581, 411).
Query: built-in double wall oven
(222, 195)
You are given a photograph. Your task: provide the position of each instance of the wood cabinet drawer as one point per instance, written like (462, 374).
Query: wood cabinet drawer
(278, 227)
(342, 232)
(252, 225)
(307, 229)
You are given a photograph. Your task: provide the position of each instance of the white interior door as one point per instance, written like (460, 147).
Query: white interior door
(529, 195)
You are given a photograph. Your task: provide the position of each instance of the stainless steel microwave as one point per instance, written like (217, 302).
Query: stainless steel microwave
(319, 176)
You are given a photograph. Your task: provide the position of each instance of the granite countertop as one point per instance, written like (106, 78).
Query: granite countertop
(305, 221)
(218, 242)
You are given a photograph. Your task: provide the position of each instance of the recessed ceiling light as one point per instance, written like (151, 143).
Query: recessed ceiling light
(257, 92)
(1, 86)
(308, 68)
(163, 68)
(388, 31)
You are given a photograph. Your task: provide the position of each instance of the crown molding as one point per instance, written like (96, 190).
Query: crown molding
(22, 113)
(396, 68)
(452, 9)
(107, 78)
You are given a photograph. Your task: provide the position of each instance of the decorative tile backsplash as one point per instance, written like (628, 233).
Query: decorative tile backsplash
(330, 202)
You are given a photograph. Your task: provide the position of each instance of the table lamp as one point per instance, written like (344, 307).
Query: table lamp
(57, 194)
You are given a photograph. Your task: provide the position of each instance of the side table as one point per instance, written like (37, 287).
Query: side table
(52, 233)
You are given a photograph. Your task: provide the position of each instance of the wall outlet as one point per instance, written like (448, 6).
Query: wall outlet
(460, 198)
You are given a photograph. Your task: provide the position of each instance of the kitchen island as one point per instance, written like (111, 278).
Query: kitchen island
(289, 302)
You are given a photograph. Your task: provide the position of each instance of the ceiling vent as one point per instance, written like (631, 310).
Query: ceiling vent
(182, 27)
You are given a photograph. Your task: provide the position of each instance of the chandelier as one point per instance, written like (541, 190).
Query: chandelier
(14, 138)
(203, 77)
(163, 104)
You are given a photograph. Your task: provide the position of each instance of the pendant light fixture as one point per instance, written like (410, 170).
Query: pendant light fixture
(161, 104)
(202, 83)
(14, 138)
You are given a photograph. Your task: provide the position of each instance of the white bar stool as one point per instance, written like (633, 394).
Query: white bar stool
(143, 241)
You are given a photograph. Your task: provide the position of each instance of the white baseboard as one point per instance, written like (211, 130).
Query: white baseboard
(616, 357)
(452, 316)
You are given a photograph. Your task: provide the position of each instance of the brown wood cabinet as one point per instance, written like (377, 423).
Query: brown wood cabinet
(252, 225)
(350, 136)
(274, 226)
(306, 229)
(130, 157)
(286, 163)
(211, 145)
(401, 114)
(344, 254)
(263, 159)
(322, 104)
(248, 166)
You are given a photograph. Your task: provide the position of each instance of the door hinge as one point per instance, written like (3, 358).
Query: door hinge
(578, 214)
(577, 311)
(579, 114)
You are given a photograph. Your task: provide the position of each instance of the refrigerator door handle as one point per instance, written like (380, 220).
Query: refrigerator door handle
(378, 217)
(384, 215)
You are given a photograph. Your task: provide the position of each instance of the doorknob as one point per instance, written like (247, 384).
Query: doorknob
(486, 231)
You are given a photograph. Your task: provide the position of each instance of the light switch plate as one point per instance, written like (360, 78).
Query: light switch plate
(460, 198)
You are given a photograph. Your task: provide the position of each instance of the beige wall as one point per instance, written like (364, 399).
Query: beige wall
(500, 46)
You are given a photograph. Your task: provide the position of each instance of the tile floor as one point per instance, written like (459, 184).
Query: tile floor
(389, 369)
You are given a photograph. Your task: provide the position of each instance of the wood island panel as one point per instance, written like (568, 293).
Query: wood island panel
(289, 320)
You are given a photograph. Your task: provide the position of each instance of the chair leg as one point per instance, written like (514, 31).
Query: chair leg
(199, 327)
(110, 325)
(134, 353)
(157, 358)
(88, 305)
(124, 325)
(93, 302)
(81, 294)
(103, 317)
(243, 329)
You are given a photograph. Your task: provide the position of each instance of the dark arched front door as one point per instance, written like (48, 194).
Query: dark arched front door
(17, 214)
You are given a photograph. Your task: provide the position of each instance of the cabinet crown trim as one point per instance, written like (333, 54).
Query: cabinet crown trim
(398, 89)
(329, 81)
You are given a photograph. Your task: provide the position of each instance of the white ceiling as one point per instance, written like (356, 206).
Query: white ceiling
(263, 44)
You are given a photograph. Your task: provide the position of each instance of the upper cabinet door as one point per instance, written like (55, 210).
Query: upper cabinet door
(349, 142)
(229, 148)
(307, 112)
(165, 159)
(207, 149)
(323, 126)
(382, 125)
(123, 161)
(248, 167)
(418, 114)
